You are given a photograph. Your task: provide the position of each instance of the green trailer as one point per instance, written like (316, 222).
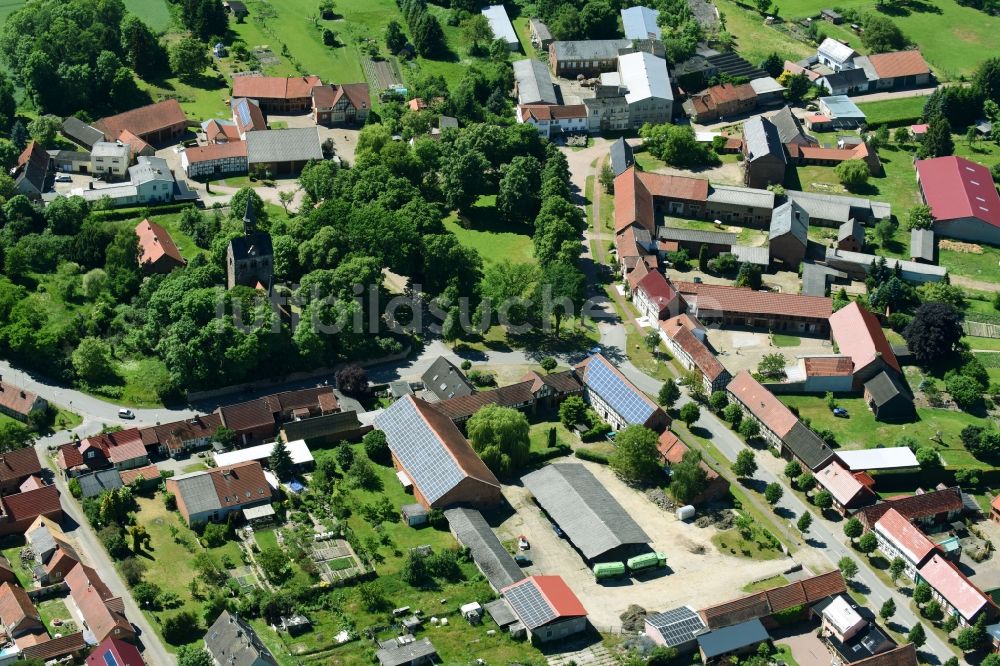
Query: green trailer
(647, 561)
(609, 570)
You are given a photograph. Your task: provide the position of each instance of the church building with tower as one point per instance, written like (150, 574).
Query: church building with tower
(250, 258)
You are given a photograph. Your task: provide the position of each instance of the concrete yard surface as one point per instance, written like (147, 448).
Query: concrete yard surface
(743, 350)
(697, 575)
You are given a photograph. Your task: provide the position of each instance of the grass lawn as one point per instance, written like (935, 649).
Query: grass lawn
(754, 40)
(194, 467)
(992, 344)
(154, 13)
(783, 654)
(493, 239)
(984, 266)
(862, 431)
(266, 538)
(139, 383)
(539, 434)
(781, 340)
(645, 161)
(55, 609)
(894, 112)
(766, 584)
(13, 555)
(183, 242)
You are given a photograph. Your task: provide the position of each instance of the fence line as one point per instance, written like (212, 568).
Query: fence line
(981, 329)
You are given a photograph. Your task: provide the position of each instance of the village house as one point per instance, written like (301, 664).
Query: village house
(721, 101)
(926, 509)
(220, 131)
(553, 119)
(788, 236)
(103, 612)
(19, 510)
(230, 640)
(20, 404)
(836, 55)
(850, 491)
(672, 451)
(150, 181)
(157, 124)
(958, 596)
(16, 466)
(211, 495)
(215, 160)
(157, 251)
(656, 299)
(19, 617)
(341, 104)
(895, 70)
(247, 116)
(110, 160)
(173, 439)
(115, 651)
(122, 449)
(444, 380)
(32, 171)
(615, 399)
(766, 310)
(276, 94)
(760, 405)
(898, 538)
(685, 337)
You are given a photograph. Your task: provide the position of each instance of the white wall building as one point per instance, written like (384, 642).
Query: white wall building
(109, 160)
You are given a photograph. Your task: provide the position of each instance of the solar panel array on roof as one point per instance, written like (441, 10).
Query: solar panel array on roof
(109, 658)
(419, 450)
(244, 112)
(677, 626)
(529, 604)
(624, 399)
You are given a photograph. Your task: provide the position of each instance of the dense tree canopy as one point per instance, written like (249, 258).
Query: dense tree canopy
(500, 437)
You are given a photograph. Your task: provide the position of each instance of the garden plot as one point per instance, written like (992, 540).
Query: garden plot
(336, 561)
(382, 74)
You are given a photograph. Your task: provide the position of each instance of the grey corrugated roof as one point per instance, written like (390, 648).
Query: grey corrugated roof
(472, 531)
(851, 228)
(840, 106)
(592, 519)
(42, 541)
(644, 76)
(640, 23)
(741, 196)
(446, 381)
(833, 256)
(405, 654)
(853, 78)
(788, 126)
(534, 83)
(729, 639)
(501, 612)
(542, 30)
(81, 132)
(761, 139)
(198, 492)
(884, 387)
(697, 236)
(815, 277)
(621, 156)
(747, 254)
(590, 49)
(298, 144)
(922, 244)
(807, 446)
(95, 483)
(839, 207)
(791, 218)
(768, 84)
(500, 23)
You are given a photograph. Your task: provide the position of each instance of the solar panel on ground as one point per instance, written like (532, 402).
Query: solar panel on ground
(624, 399)
(677, 626)
(419, 450)
(529, 604)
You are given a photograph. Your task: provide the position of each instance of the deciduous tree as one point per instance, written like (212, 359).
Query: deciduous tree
(500, 437)
(636, 458)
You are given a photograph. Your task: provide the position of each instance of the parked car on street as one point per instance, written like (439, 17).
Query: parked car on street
(126, 414)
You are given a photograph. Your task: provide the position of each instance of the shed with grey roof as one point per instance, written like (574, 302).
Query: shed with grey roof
(621, 156)
(541, 36)
(789, 234)
(806, 447)
(95, 483)
(283, 151)
(80, 132)
(233, 642)
(888, 397)
(790, 128)
(842, 112)
(922, 245)
(851, 236)
(414, 653)
(815, 278)
(583, 508)
(735, 639)
(857, 265)
(533, 82)
(501, 612)
(832, 210)
(749, 254)
(473, 532)
(697, 236)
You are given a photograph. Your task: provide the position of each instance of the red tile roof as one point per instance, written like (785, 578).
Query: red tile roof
(16, 608)
(840, 482)
(118, 447)
(69, 456)
(464, 406)
(15, 399)
(904, 536)
(828, 366)
(239, 484)
(952, 584)
(56, 648)
(777, 599)
(28, 506)
(674, 187)
(125, 654)
(155, 243)
(561, 382)
(216, 151)
(254, 116)
(633, 202)
(747, 301)
(657, 289)
(275, 87)
(762, 404)
(147, 473)
(678, 330)
(92, 597)
(248, 415)
(899, 63)
(859, 335)
(144, 120)
(18, 464)
(134, 143)
(553, 111)
(902, 655)
(214, 130)
(672, 450)
(556, 593)
(956, 188)
(167, 434)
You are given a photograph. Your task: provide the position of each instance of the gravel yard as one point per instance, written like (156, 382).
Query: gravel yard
(743, 350)
(690, 555)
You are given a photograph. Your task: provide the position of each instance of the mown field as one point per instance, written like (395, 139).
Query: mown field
(894, 112)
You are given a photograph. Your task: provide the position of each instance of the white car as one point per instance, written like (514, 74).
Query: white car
(126, 414)
(64, 178)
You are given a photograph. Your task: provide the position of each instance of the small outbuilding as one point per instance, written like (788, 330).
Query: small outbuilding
(414, 515)
(736, 639)
(888, 398)
(546, 607)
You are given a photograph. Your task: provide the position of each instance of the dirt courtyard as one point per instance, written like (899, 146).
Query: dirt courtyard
(743, 350)
(694, 579)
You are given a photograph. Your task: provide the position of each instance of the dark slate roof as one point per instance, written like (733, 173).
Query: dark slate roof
(621, 156)
(789, 127)
(851, 228)
(853, 78)
(95, 483)
(592, 519)
(402, 655)
(472, 531)
(885, 386)
(445, 380)
(729, 639)
(256, 244)
(791, 218)
(233, 642)
(590, 49)
(81, 132)
(761, 139)
(807, 446)
(534, 83)
(922, 244)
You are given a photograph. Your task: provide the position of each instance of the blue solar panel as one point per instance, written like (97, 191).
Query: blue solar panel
(244, 111)
(109, 658)
(626, 400)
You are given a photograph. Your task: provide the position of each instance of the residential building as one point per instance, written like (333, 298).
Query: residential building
(230, 640)
(110, 160)
(19, 510)
(135, 145)
(672, 451)
(445, 380)
(615, 399)
(721, 101)
(858, 334)
(31, 173)
(851, 236)
(760, 405)
(93, 484)
(845, 82)
(215, 160)
(533, 83)
(247, 116)
(250, 257)
(116, 652)
(157, 251)
(472, 531)
(802, 444)
(764, 604)
(819, 374)
(937, 507)
(160, 123)
(789, 234)
(685, 337)
(283, 152)
(887, 395)
(341, 104)
(899, 69)
(816, 155)
(962, 198)
(461, 407)
(20, 404)
(552, 119)
(677, 629)
(501, 26)
(220, 131)
(841, 620)
(640, 23)
(54, 556)
(587, 513)
(277, 94)
(177, 437)
(764, 160)
(213, 494)
(590, 57)
(80, 132)
(898, 538)
(547, 608)
(849, 493)
(7, 573)
(774, 311)
(656, 299)
(122, 449)
(842, 112)
(19, 618)
(431, 453)
(836, 55)
(958, 596)
(620, 156)
(150, 181)
(922, 245)
(103, 613)
(541, 36)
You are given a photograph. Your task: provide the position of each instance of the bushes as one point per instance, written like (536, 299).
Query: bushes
(592, 456)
